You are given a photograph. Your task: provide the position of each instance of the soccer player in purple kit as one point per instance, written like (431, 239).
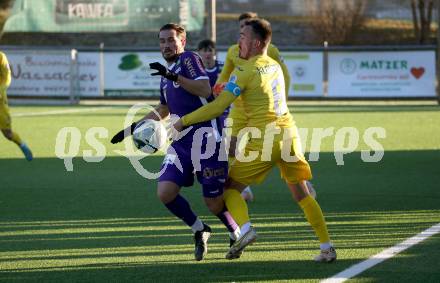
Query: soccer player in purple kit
(184, 88)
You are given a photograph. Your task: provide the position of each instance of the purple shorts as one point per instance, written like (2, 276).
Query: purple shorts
(212, 174)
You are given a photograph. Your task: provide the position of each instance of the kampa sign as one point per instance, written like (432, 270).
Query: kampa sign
(103, 15)
(111, 12)
(90, 11)
(382, 74)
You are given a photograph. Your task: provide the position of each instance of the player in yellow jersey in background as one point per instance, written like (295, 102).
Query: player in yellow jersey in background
(274, 137)
(5, 117)
(236, 113)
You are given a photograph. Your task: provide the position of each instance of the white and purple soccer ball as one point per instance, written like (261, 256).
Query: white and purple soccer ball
(150, 136)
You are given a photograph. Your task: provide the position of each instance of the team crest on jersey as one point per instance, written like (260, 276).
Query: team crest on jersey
(233, 79)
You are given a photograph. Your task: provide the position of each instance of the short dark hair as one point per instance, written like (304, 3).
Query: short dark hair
(178, 28)
(261, 29)
(206, 44)
(247, 15)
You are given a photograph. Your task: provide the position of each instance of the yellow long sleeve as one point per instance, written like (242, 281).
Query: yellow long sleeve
(210, 110)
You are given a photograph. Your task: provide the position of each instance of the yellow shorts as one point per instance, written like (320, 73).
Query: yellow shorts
(5, 118)
(286, 154)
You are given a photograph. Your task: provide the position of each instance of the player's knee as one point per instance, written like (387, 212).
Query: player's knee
(7, 134)
(164, 197)
(299, 190)
(215, 205)
(167, 191)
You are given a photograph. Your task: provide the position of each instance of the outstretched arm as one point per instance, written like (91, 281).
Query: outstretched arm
(210, 110)
(160, 112)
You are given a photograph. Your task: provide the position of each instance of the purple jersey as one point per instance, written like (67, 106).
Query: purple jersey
(179, 101)
(214, 72)
(212, 172)
(213, 75)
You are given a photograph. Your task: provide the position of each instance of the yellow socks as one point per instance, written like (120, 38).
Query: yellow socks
(16, 138)
(314, 216)
(236, 206)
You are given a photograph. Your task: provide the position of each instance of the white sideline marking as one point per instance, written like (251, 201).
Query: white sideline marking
(56, 112)
(382, 256)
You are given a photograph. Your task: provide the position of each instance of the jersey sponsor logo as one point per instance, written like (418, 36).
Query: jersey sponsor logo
(199, 63)
(210, 172)
(190, 67)
(268, 69)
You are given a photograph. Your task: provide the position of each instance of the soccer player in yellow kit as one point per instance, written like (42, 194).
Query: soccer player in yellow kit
(5, 117)
(260, 84)
(236, 113)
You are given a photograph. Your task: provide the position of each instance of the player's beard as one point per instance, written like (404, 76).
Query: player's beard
(170, 58)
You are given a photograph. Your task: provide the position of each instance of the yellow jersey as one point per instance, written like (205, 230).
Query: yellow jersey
(233, 59)
(259, 83)
(262, 91)
(5, 77)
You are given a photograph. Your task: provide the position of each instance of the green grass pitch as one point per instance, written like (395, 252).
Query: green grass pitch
(102, 222)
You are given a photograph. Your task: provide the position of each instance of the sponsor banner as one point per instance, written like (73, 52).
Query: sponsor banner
(306, 73)
(128, 74)
(103, 15)
(382, 74)
(305, 69)
(49, 73)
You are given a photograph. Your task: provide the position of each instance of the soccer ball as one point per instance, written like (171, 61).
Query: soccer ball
(149, 136)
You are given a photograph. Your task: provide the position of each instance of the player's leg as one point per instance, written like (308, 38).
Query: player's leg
(218, 208)
(239, 210)
(296, 173)
(311, 189)
(212, 177)
(239, 122)
(168, 193)
(241, 174)
(315, 217)
(5, 126)
(168, 188)
(246, 193)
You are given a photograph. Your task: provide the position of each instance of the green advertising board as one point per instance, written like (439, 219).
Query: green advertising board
(103, 15)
